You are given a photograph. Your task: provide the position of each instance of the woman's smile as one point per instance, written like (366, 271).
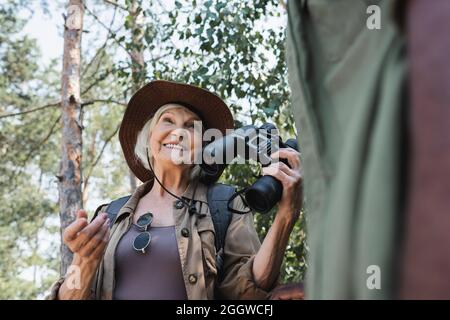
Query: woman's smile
(173, 136)
(173, 146)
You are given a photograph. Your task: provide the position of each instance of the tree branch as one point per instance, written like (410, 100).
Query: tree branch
(41, 143)
(116, 4)
(105, 26)
(100, 50)
(95, 82)
(18, 170)
(163, 8)
(55, 104)
(89, 102)
(91, 169)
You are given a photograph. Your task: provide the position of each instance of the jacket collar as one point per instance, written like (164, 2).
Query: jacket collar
(195, 191)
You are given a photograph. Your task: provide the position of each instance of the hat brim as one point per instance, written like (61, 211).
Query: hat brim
(146, 101)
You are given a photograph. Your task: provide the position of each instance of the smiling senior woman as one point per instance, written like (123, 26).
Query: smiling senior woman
(156, 249)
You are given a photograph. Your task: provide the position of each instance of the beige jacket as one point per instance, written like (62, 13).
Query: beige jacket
(195, 238)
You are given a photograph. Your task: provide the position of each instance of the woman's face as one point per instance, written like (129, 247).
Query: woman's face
(172, 139)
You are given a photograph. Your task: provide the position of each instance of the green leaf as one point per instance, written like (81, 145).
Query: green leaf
(202, 70)
(239, 92)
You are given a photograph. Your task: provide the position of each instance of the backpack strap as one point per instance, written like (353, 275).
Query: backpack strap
(218, 196)
(113, 209)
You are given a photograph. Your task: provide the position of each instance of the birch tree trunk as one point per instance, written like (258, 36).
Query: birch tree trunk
(69, 178)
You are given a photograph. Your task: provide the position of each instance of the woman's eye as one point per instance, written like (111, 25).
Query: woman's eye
(167, 119)
(190, 125)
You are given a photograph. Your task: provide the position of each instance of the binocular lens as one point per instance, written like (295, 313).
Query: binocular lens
(264, 194)
(256, 201)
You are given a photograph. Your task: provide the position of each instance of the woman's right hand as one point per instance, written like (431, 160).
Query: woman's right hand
(86, 240)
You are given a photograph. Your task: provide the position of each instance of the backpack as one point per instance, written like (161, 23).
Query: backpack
(218, 196)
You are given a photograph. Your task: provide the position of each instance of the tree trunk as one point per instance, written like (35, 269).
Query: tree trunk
(138, 71)
(69, 178)
(137, 45)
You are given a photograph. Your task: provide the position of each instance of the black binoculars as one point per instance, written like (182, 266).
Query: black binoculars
(248, 142)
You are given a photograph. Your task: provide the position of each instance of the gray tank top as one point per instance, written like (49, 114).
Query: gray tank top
(153, 275)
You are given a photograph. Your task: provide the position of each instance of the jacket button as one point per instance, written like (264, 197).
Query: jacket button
(178, 204)
(185, 232)
(192, 278)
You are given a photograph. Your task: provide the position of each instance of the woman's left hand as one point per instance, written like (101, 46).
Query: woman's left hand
(269, 258)
(291, 178)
